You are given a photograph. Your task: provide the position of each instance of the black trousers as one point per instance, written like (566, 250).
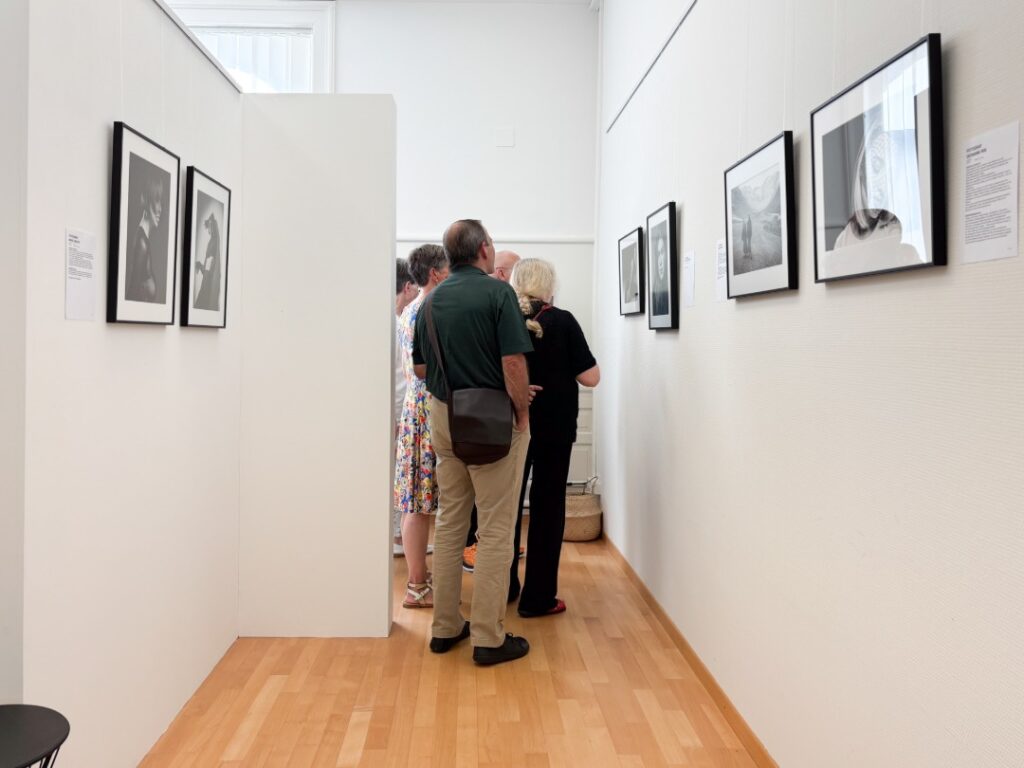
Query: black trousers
(549, 459)
(471, 534)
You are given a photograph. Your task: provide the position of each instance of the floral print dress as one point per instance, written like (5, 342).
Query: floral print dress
(415, 475)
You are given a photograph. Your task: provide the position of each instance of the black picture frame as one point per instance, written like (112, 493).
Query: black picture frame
(631, 273)
(881, 208)
(204, 276)
(143, 236)
(662, 269)
(760, 220)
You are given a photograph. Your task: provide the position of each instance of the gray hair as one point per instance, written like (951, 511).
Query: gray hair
(462, 241)
(425, 258)
(402, 275)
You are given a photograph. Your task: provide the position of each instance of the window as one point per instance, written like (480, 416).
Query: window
(268, 46)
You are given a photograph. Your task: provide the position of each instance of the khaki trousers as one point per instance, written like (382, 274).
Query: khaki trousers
(495, 489)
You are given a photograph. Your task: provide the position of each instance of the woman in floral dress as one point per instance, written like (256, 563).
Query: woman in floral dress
(415, 477)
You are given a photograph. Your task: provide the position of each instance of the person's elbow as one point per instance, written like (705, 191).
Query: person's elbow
(590, 377)
(420, 371)
(513, 364)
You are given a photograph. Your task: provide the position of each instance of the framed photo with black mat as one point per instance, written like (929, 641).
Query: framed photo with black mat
(631, 273)
(662, 269)
(878, 172)
(760, 220)
(142, 262)
(204, 274)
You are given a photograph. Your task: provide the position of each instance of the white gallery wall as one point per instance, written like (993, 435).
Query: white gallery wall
(823, 488)
(123, 452)
(131, 445)
(466, 75)
(14, 139)
(316, 438)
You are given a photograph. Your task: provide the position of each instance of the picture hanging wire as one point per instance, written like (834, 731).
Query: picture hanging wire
(650, 68)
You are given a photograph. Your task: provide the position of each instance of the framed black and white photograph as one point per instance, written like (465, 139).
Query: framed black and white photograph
(662, 269)
(204, 274)
(878, 172)
(760, 220)
(631, 273)
(143, 230)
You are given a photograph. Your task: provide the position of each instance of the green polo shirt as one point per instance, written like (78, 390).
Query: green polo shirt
(478, 322)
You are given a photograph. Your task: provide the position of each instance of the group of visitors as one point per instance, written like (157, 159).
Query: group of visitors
(489, 324)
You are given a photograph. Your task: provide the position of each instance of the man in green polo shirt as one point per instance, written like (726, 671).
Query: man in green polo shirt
(483, 339)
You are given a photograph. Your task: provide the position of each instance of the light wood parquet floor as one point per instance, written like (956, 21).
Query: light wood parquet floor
(603, 685)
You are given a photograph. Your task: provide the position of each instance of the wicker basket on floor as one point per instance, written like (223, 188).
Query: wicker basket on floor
(582, 517)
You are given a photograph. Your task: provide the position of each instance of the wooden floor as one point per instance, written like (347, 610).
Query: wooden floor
(603, 685)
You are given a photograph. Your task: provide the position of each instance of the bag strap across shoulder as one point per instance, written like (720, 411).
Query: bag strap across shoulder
(432, 332)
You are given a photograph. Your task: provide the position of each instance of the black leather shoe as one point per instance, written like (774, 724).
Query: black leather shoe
(445, 644)
(513, 648)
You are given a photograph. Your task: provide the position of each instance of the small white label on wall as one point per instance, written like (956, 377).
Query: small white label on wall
(721, 268)
(79, 272)
(991, 194)
(689, 274)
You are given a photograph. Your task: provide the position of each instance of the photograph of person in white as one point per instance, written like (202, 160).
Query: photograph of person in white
(660, 275)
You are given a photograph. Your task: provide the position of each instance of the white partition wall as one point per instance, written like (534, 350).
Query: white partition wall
(824, 488)
(316, 397)
(14, 140)
(125, 462)
(131, 432)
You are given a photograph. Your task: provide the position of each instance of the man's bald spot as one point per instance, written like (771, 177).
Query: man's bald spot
(504, 261)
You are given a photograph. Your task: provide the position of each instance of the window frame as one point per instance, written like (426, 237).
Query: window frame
(315, 16)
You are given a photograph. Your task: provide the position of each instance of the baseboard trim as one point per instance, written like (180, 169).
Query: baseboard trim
(743, 732)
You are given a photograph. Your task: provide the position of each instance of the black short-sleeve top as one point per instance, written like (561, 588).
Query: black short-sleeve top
(558, 357)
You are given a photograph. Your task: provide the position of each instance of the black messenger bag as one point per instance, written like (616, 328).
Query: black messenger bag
(479, 419)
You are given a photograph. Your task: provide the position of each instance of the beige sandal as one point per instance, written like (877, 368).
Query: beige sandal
(419, 595)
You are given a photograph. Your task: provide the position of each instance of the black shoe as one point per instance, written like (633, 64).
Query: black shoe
(445, 644)
(513, 648)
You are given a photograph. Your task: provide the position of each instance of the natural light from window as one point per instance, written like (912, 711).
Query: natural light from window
(267, 46)
(264, 61)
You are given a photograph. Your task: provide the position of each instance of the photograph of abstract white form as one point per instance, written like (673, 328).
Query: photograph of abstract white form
(879, 180)
(631, 273)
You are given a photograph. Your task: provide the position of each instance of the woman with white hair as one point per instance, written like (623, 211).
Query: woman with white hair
(561, 360)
